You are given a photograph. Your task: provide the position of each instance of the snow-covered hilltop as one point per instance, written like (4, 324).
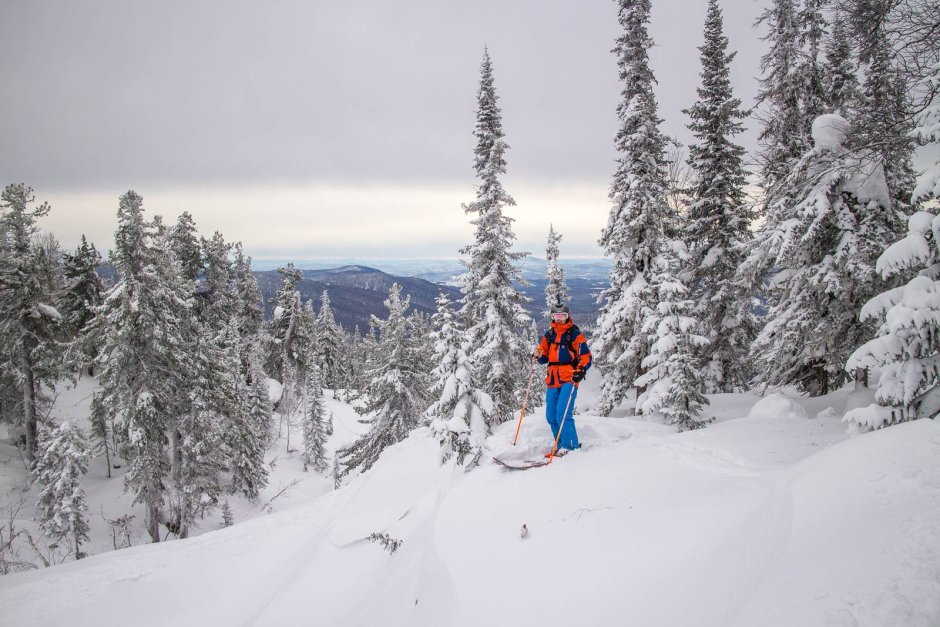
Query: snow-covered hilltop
(772, 516)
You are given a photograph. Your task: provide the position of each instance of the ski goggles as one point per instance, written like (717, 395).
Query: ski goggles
(559, 317)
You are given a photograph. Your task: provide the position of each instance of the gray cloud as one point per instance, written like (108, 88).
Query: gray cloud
(112, 95)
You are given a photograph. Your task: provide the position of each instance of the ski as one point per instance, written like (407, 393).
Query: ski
(522, 465)
(527, 464)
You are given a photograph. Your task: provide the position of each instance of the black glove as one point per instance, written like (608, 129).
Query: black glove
(578, 375)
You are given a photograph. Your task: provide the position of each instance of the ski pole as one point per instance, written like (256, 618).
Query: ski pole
(525, 400)
(564, 416)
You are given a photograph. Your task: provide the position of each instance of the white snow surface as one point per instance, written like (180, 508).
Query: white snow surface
(777, 405)
(829, 131)
(756, 520)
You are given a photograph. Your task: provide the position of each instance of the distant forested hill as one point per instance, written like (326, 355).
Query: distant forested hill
(356, 292)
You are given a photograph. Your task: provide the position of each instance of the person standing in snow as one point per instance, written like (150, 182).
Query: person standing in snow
(565, 350)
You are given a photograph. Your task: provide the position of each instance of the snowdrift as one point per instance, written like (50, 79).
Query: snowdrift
(756, 521)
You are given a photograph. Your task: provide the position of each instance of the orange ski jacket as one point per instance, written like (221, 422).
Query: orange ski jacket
(563, 354)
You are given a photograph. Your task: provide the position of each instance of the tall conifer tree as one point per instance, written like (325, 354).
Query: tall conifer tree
(248, 302)
(391, 404)
(59, 470)
(841, 75)
(458, 413)
(824, 261)
(83, 288)
(215, 299)
(29, 322)
(330, 347)
(492, 306)
(719, 216)
(634, 233)
(314, 423)
(883, 124)
(143, 357)
(784, 137)
(285, 317)
(556, 291)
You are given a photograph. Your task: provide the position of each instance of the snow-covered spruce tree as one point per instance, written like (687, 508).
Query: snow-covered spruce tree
(144, 353)
(314, 423)
(59, 469)
(908, 345)
(881, 124)
(907, 348)
(491, 304)
(184, 241)
(215, 305)
(823, 259)
(305, 342)
(929, 133)
(364, 357)
(248, 409)
(717, 223)
(247, 296)
(635, 228)
(812, 72)
(259, 411)
(330, 348)
(207, 409)
(841, 71)
(390, 405)
(458, 415)
(784, 137)
(284, 318)
(29, 323)
(83, 288)
(354, 365)
(420, 331)
(672, 383)
(556, 290)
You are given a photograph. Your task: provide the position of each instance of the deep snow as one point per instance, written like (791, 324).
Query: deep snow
(771, 516)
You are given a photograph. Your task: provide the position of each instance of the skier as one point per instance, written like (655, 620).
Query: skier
(566, 352)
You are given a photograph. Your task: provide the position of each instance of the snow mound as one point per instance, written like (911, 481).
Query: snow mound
(829, 132)
(777, 406)
(275, 390)
(886, 480)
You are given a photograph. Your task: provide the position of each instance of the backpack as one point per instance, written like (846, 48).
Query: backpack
(567, 340)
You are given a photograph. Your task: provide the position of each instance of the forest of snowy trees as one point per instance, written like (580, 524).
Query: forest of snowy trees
(840, 245)
(847, 93)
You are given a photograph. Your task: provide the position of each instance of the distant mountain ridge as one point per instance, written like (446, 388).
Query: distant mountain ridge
(445, 270)
(356, 292)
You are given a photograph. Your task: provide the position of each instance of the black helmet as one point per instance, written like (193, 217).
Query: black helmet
(560, 308)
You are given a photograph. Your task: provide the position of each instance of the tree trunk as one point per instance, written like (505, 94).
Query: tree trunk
(176, 455)
(29, 404)
(861, 378)
(185, 517)
(153, 521)
(103, 428)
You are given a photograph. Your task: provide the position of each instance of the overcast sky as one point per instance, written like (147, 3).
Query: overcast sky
(331, 129)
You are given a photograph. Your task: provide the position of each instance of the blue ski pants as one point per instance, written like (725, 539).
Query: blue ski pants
(556, 399)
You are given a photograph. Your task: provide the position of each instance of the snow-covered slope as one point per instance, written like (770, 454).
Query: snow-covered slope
(758, 520)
